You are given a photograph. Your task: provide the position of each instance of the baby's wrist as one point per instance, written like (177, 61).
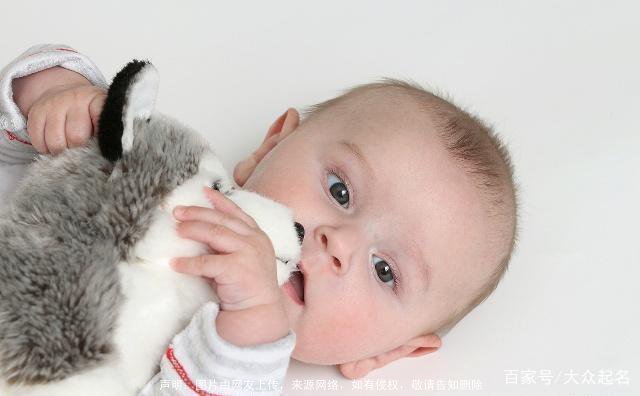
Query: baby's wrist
(252, 326)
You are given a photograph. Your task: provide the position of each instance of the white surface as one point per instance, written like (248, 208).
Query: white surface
(559, 81)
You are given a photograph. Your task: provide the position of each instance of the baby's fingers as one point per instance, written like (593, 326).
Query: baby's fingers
(208, 266)
(78, 127)
(54, 137)
(35, 128)
(208, 215)
(225, 205)
(217, 237)
(95, 109)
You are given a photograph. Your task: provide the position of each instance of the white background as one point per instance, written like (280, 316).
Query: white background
(559, 81)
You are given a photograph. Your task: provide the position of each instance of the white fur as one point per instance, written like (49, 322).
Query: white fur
(159, 302)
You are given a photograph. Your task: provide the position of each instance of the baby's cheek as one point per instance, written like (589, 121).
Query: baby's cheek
(346, 332)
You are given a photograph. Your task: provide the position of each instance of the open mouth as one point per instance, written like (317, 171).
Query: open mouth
(296, 280)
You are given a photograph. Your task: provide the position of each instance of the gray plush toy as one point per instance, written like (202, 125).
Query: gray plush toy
(88, 302)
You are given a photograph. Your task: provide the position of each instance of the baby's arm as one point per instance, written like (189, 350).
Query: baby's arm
(199, 362)
(15, 144)
(198, 357)
(246, 339)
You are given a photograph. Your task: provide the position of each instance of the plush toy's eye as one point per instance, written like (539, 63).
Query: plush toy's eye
(300, 231)
(216, 185)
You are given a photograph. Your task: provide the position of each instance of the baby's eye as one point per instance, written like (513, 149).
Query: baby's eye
(384, 272)
(338, 189)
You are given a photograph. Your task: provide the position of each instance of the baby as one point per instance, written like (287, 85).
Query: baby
(408, 206)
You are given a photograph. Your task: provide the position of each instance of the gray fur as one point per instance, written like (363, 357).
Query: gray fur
(74, 217)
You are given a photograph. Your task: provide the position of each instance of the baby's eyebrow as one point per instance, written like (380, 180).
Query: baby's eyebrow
(353, 149)
(424, 269)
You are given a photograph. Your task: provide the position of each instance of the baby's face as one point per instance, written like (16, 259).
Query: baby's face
(411, 207)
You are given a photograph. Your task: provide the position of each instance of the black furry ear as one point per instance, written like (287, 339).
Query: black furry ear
(131, 95)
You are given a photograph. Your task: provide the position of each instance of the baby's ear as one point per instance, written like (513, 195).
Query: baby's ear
(284, 124)
(281, 127)
(132, 95)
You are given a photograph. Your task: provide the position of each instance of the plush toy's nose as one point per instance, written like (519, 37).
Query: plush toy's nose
(300, 230)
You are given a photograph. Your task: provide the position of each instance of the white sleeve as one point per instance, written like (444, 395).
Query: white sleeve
(199, 362)
(15, 145)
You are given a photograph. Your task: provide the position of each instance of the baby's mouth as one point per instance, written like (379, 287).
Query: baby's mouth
(297, 281)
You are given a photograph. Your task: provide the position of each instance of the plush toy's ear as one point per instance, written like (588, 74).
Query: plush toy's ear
(132, 94)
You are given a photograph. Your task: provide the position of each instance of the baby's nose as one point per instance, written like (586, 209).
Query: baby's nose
(300, 230)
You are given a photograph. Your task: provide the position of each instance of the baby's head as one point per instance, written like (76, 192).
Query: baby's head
(409, 210)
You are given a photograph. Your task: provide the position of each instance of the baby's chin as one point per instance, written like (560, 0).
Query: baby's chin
(301, 354)
(322, 352)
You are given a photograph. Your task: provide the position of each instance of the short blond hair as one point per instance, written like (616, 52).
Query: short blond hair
(482, 154)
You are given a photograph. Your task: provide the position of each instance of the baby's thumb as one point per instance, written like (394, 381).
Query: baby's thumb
(95, 109)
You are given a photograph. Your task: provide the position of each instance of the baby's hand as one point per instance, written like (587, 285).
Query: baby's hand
(65, 116)
(241, 270)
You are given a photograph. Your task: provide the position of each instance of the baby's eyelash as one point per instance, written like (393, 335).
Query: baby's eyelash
(397, 282)
(352, 193)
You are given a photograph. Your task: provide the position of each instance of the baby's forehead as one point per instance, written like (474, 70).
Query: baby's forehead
(377, 113)
(374, 101)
